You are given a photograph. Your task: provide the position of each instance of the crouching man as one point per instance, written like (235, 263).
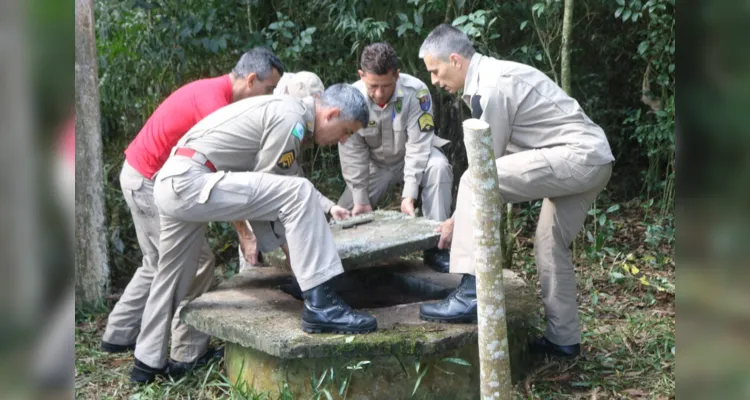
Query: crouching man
(296, 84)
(239, 163)
(398, 145)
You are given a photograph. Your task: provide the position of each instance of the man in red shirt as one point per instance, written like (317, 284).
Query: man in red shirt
(257, 73)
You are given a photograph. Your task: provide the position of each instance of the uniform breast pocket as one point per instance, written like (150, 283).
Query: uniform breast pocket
(372, 137)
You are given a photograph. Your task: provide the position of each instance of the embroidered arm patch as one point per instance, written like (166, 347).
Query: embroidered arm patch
(298, 131)
(424, 99)
(286, 160)
(426, 123)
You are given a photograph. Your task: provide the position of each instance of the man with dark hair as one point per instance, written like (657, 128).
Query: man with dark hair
(240, 163)
(256, 73)
(546, 148)
(397, 145)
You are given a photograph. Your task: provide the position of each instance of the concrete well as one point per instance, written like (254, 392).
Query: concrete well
(257, 314)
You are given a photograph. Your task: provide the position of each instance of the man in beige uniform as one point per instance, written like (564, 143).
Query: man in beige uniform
(296, 84)
(547, 148)
(239, 163)
(398, 145)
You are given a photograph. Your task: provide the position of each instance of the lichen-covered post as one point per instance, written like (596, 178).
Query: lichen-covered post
(493, 332)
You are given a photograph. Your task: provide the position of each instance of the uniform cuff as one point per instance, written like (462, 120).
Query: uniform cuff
(411, 189)
(361, 197)
(326, 203)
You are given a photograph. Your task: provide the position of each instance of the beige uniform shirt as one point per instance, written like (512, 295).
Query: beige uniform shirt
(403, 131)
(260, 134)
(527, 110)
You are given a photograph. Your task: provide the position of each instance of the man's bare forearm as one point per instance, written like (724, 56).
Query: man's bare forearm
(243, 229)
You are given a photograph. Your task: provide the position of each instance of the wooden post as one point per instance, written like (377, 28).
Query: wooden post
(92, 267)
(493, 331)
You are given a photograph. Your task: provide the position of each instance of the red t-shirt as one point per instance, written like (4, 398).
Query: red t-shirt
(174, 117)
(67, 142)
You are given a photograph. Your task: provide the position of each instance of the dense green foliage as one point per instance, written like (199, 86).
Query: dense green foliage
(623, 71)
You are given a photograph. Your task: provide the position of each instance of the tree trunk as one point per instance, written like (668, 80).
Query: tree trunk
(493, 331)
(567, 32)
(92, 268)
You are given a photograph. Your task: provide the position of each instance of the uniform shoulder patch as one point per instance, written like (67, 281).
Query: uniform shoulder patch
(286, 160)
(476, 106)
(372, 124)
(424, 99)
(426, 122)
(298, 131)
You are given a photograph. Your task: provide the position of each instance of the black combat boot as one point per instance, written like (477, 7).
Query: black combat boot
(459, 307)
(177, 369)
(543, 346)
(326, 312)
(142, 373)
(438, 260)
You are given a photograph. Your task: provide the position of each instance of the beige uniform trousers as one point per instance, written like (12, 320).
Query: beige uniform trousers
(124, 321)
(436, 185)
(188, 196)
(568, 190)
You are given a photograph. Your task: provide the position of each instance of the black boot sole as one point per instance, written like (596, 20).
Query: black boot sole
(456, 320)
(318, 328)
(112, 348)
(143, 376)
(553, 353)
(178, 369)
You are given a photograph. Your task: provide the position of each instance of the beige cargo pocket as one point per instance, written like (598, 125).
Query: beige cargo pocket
(535, 168)
(587, 176)
(130, 180)
(561, 168)
(208, 186)
(172, 172)
(559, 164)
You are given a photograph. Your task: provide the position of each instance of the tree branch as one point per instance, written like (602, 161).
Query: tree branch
(544, 46)
(654, 103)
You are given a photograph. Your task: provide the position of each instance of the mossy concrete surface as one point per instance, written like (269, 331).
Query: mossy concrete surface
(384, 377)
(266, 346)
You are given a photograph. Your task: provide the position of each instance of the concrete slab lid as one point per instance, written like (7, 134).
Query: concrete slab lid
(381, 235)
(389, 234)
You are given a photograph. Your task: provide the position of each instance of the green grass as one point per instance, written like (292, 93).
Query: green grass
(628, 340)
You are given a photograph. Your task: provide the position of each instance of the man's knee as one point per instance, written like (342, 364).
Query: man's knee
(439, 165)
(438, 174)
(300, 195)
(303, 187)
